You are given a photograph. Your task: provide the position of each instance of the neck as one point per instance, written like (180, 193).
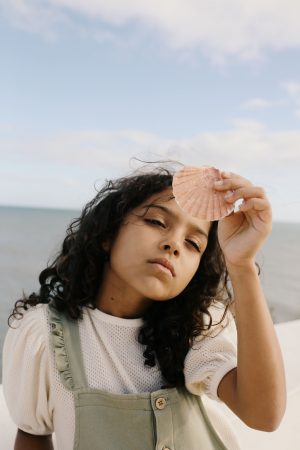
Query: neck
(115, 298)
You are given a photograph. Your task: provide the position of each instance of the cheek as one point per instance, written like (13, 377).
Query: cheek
(125, 254)
(193, 269)
(190, 268)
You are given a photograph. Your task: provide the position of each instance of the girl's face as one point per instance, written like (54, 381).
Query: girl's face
(151, 238)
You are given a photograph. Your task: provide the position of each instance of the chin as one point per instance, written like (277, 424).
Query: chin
(157, 290)
(162, 297)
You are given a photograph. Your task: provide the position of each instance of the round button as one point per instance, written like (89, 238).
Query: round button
(160, 403)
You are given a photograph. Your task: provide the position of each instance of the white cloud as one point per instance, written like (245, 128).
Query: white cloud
(84, 149)
(293, 90)
(219, 29)
(261, 103)
(34, 17)
(106, 36)
(61, 170)
(247, 144)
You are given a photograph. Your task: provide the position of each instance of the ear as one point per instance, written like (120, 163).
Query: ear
(106, 246)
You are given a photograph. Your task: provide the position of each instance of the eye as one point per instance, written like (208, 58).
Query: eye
(195, 245)
(155, 222)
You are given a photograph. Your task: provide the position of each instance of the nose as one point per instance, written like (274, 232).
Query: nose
(170, 246)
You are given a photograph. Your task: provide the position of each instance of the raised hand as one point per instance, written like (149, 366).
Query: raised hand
(242, 233)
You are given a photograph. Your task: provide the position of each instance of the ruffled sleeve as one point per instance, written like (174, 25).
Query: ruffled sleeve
(59, 346)
(212, 355)
(26, 373)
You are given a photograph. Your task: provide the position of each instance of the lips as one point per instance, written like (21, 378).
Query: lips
(164, 262)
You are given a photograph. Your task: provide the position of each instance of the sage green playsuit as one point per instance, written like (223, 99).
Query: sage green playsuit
(166, 419)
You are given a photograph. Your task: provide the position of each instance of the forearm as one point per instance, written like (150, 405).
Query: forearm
(25, 441)
(260, 378)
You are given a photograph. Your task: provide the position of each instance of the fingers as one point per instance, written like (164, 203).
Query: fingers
(256, 204)
(260, 207)
(226, 174)
(244, 192)
(231, 181)
(236, 187)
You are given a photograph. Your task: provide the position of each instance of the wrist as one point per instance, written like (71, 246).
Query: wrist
(247, 267)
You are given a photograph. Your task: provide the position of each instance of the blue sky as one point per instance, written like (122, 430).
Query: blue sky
(85, 86)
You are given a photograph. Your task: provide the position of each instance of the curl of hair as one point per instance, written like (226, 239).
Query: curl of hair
(73, 278)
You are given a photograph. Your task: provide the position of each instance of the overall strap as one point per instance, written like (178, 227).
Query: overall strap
(65, 342)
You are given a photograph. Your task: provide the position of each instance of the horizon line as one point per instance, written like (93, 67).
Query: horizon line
(57, 208)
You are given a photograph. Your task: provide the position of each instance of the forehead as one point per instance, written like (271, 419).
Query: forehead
(166, 200)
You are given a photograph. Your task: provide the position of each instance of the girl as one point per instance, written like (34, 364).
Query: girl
(136, 308)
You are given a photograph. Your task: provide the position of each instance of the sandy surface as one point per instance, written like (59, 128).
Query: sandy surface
(286, 437)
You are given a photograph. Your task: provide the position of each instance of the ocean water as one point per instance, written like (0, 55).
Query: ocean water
(30, 237)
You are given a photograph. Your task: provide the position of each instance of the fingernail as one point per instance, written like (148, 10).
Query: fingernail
(226, 174)
(228, 194)
(219, 183)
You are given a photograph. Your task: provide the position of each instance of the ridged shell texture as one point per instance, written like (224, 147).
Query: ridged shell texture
(193, 189)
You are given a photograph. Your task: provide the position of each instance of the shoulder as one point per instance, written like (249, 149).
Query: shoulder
(30, 330)
(26, 372)
(26, 346)
(34, 315)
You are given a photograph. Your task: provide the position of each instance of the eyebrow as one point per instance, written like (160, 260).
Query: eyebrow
(171, 213)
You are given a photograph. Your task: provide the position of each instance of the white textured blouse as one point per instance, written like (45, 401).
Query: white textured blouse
(113, 360)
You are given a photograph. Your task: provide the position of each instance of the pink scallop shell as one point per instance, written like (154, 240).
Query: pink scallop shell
(193, 189)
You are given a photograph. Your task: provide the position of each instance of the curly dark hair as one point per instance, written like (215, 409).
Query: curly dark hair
(72, 280)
